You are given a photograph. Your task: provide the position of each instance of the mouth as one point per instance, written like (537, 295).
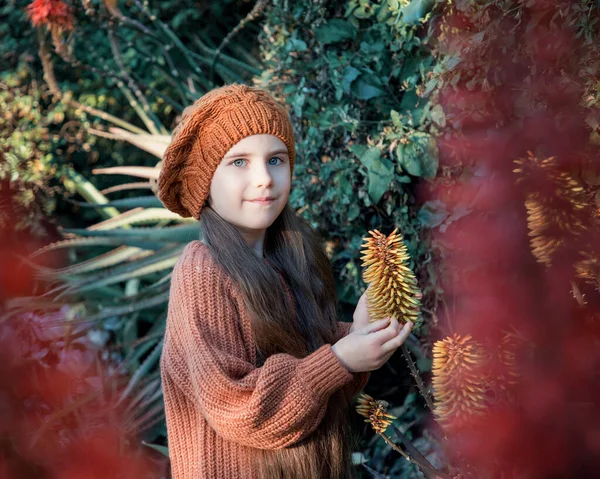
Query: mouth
(263, 201)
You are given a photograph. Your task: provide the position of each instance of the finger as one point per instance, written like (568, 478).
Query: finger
(398, 340)
(383, 335)
(375, 326)
(362, 298)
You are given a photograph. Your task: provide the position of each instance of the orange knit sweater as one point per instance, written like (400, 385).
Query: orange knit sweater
(219, 405)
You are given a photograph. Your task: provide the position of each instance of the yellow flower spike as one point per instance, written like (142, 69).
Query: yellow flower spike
(550, 215)
(459, 392)
(393, 289)
(375, 412)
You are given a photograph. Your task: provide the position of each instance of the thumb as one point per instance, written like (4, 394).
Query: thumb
(375, 326)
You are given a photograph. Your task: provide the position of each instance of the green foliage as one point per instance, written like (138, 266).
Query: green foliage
(362, 81)
(135, 68)
(364, 134)
(355, 76)
(137, 73)
(27, 141)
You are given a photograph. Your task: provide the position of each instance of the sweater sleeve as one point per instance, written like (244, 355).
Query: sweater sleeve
(206, 355)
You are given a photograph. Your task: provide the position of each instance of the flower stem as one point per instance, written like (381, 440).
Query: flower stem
(419, 459)
(415, 374)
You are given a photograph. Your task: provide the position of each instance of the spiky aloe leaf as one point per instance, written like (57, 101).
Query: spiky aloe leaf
(142, 371)
(138, 185)
(154, 144)
(180, 233)
(139, 171)
(393, 290)
(149, 201)
(162, 449)
(143, 267)
(128, 308)
(102, 261)
(139, 215)
(24, 304)
(124, 239)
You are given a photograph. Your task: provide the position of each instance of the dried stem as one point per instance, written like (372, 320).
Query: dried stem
(425, 466)
(145, 112)
(256, 11)
(415, 374)
(419, 459)
(395, 447)
(55, 90)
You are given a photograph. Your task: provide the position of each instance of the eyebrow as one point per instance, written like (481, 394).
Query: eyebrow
(237, 155)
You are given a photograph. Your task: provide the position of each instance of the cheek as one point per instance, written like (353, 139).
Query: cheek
(283, 178)
(224, 189)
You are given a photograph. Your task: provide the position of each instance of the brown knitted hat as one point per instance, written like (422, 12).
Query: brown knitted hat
(209, 128)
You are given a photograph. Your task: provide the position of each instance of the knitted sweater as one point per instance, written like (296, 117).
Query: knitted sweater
(219, 405)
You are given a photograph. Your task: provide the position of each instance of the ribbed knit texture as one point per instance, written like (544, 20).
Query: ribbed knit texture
(208, 129)
(219, 405)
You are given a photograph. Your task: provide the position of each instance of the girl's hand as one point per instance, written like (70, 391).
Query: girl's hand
(369, 348)
(361, 317)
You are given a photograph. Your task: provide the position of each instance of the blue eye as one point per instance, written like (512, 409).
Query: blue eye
(272, 158)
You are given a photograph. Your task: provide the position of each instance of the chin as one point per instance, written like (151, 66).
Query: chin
(260, 225)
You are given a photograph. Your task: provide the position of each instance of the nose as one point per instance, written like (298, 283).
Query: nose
(261, 176)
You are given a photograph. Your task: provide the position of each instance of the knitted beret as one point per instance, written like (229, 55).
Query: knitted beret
(208, 129)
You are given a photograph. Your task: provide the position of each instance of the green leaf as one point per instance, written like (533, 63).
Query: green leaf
(416, 10)
(149, 201)
(344, 187)
(335, 30)
(396, 119)
(419, 157)
(433, 213)
(437, 115)
(381, 173)
(363, 90)
(358, 150)
(353, 212)
(296, 45)
(424, 364)
(162, 449)
(369, 157)
(370, 48)
(350, 74)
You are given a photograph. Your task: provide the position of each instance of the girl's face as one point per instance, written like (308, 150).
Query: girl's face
(257, 166)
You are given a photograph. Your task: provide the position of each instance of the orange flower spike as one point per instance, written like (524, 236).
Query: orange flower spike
(457, 382)
(393, 289)
(52, 13)
(549, 220)
(375, 412)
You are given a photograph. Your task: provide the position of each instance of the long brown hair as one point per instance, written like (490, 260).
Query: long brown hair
(295, 251)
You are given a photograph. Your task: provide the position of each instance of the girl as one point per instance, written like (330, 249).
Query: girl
(257, 372)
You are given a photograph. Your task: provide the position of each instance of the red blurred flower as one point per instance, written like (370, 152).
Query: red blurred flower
(53, 13)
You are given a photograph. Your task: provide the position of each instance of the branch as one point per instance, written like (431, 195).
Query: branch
(419, 459)
(144, 111)
(256, 11)
(55, 90)
(426, 467)
(415, 374)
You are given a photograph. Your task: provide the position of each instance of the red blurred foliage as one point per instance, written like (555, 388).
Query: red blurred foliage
(52, 13)
(530, 101)
(57, 421)
(56, 418)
